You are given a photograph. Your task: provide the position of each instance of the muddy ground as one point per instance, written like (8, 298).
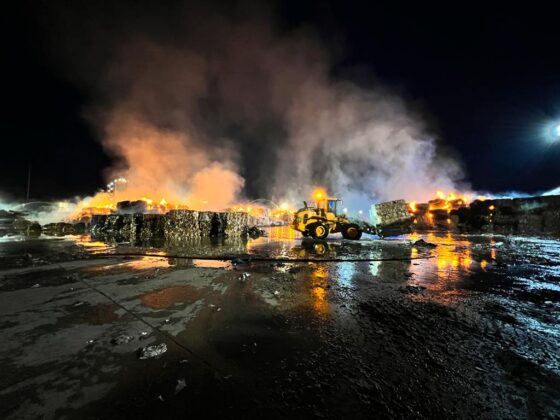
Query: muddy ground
(468, 329)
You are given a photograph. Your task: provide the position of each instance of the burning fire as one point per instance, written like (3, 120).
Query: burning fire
(283, 212)
(105, 203)
(439, 208)
(120, 197)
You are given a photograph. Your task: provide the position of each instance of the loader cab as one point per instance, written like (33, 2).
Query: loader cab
(329, 205)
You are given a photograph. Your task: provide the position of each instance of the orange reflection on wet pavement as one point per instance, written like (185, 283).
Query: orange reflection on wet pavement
(319, 278)
(169, 296)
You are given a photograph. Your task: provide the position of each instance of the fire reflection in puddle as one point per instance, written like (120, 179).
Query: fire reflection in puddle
(143, 263)
(212, 264)
(90, 245)
(169, 296)
(147, 262)
(319, 281)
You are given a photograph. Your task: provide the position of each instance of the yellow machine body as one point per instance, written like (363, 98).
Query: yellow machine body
(322, 219)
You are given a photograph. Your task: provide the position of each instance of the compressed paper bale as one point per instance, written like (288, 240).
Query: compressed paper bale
(530, 224)
(151, 227)
(389, 213)
(218, 224)
(205, 219)
(234, 223)
(61, 228)
(181, 225)
(115, 226)
(126, 226)
(132, 207)
(98, 224)
(551, 221)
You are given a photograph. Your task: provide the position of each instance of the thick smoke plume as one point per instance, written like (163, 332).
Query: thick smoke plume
(223, 109)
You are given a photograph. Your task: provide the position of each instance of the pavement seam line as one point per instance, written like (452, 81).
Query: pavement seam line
(153, 327)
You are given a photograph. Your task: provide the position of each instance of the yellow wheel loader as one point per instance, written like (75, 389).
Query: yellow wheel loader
(319, 221)
(323, 219)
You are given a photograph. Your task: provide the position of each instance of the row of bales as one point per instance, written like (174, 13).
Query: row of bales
(174, 226)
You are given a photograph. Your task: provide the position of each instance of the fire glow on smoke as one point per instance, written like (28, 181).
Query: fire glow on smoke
(209, 128)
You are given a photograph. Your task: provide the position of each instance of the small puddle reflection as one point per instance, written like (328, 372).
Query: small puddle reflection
(212, 264)
(319, 282)
(169, 296)
(142, 263)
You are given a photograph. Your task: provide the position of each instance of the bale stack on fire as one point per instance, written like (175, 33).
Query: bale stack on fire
(521, 216)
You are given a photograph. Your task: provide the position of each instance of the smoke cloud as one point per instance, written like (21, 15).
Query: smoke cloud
(216, 109)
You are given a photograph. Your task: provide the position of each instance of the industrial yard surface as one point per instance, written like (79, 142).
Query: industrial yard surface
(468, 328)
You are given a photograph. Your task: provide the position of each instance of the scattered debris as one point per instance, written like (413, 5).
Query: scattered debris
(421, 243)
(254, 232)
(412, 289)
(181, 384)
(35, 286)
(149, 352)
(244, 276)
(122, 339)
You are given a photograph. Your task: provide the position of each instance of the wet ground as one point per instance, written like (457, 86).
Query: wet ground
(467, 329)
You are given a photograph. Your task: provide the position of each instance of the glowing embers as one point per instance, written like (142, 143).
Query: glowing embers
(106, 203)
(438, 211)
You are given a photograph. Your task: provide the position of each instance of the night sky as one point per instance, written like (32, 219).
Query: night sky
(486, 79)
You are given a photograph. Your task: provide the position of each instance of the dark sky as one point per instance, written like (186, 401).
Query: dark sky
(488, 80)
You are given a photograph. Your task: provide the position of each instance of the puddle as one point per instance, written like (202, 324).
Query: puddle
(169, 296)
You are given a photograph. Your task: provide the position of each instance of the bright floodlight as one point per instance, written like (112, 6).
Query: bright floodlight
(552, 132)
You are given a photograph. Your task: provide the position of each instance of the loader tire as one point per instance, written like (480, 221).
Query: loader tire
(318, 231)
(352, 232)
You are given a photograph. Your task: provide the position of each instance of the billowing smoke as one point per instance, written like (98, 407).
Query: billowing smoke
(159, 163)
(223, 109)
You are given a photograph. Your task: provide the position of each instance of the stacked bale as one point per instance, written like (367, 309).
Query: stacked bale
(530, 224)
(175, 226)
(130, 223)
(97, 223)
(181, 225)
(234, 223)
(118, 226)
(525, 216)
(61, 229)
(391, 218)
(551, 221)
(131, 207)
(205, 221)
(152, 227)
(389, 212)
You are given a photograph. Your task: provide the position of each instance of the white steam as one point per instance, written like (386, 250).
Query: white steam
(259, 110)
